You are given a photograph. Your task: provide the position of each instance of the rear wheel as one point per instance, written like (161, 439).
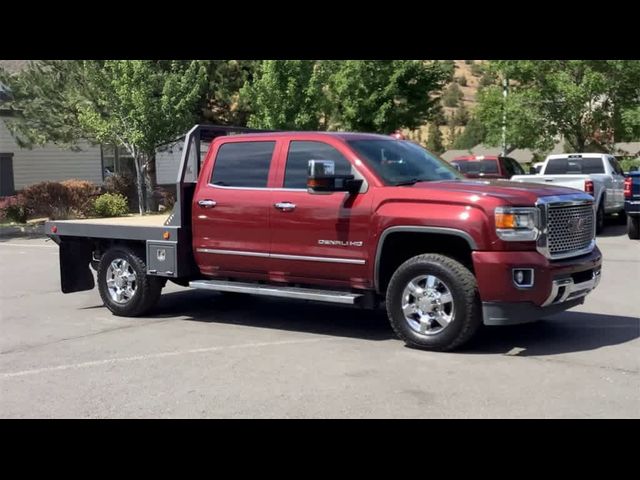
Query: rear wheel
(600, 217)
(433, 303)
(633, 227)
(123, 283)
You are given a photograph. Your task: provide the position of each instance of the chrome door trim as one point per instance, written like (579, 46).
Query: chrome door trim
(353, 261)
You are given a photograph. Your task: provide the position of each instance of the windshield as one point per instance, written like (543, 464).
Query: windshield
(575, 165)
(400, 162)
(477, 167)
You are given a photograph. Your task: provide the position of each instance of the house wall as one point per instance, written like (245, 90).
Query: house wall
(50, 162)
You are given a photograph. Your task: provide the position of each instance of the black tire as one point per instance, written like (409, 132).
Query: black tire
(622, 217)
(147, 288)
(600, 217)
(467, 316)
(633, 227)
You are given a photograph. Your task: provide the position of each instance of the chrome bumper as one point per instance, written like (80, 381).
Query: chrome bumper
(564, 289)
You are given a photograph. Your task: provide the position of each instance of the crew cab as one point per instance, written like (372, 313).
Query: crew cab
(487, 166)
(632, 204)
(597, 174)
(348, 218)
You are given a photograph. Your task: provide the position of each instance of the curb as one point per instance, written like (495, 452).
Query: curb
(22, 231)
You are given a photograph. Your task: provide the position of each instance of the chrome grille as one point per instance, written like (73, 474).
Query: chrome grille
(570, 229)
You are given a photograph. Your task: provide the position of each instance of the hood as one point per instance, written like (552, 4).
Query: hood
(516, 193)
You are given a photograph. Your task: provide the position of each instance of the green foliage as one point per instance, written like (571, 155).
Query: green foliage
(439, 118)
(110, 205)
(14, 209)
(348, 95)
(627, 163)
(225, 78)
(125, 185)
(473, 134)
(60, 200)
(434, 141)
(452, 95)
(489, 78)
(461, 115)
(589, 102)
(461, 80)
(477, 69)
(138, 104)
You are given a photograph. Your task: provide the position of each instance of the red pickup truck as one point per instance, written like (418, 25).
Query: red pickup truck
(347, 218)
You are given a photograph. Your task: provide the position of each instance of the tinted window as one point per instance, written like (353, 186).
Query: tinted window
(615, 166)
(243, 164)
(296, 170)
(575, 166)
(512, 167)
(400, 161)
(477, 167)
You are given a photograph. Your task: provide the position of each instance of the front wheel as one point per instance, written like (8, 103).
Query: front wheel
(123, 283)
(433, 303)
(633, 227)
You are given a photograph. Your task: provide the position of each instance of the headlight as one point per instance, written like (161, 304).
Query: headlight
(517, 224)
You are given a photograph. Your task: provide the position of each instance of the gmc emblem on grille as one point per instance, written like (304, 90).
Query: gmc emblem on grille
(576, 224)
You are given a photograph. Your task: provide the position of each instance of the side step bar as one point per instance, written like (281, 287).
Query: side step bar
(277, 291)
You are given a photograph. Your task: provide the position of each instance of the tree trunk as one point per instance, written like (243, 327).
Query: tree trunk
(139, 183)
(151, 202)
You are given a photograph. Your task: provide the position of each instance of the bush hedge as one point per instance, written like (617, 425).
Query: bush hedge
(110, 205)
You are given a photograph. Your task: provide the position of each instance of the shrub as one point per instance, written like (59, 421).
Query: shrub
(476, 69)
(164, 197)
(110, 205)
(462, 80)
(14, 209)
(60, 200)
(468, 62)
(125, 185)
(488, 79)
(452, 95)
(627, 163)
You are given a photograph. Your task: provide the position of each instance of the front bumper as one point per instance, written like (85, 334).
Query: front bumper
(558, 285)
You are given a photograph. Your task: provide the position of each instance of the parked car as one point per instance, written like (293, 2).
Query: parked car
(597, 174)
(487, 166)
(346, 218)
(632, 204)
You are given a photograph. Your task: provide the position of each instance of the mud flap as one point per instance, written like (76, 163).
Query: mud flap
(75, 274)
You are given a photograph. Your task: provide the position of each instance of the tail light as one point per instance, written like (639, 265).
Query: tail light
(627, 187)
(588, 186)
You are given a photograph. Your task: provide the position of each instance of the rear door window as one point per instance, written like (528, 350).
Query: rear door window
(243, 164)
(574, 166)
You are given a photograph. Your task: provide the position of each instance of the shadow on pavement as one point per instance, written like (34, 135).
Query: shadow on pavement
(567, 332)
(275, 313)
(613, 228)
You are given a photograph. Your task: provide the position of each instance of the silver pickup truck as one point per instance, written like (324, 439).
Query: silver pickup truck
(597, 174)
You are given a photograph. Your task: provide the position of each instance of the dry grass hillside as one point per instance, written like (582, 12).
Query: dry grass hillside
(463, 69)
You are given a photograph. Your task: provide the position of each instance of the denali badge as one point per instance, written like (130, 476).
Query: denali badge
(340, 243)
(576, 224)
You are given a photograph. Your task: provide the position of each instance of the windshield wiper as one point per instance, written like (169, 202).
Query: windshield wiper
(411, 182)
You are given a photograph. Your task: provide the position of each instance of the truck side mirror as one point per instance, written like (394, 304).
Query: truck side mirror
(322, 178)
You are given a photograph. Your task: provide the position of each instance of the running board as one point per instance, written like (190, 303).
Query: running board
(330, 296)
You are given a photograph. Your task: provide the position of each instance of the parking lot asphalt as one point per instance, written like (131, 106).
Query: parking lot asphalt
(206, 355)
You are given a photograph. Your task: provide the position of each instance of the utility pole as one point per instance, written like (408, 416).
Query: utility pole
(505, 92)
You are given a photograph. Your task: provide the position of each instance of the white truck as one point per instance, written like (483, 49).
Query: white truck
(597, 174)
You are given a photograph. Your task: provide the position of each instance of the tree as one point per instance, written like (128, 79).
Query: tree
(588, 102)
(223, 104)
(138, 104)
(452, 95)
(434, 141)
(461, 116)
(286, 94)
(474, 134)
(357, 95)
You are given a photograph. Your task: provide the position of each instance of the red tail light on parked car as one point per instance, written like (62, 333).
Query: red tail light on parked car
(627, 187)
(588, 186)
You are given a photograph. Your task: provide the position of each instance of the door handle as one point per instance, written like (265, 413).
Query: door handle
(285, 206)
(207, 203)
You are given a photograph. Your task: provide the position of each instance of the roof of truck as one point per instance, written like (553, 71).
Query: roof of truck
(341, 135)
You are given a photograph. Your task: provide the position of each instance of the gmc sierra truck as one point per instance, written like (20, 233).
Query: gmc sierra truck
(597, 174)
(348, 218)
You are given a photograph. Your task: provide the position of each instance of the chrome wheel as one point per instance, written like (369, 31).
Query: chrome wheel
(427, 305)
(121, 281)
